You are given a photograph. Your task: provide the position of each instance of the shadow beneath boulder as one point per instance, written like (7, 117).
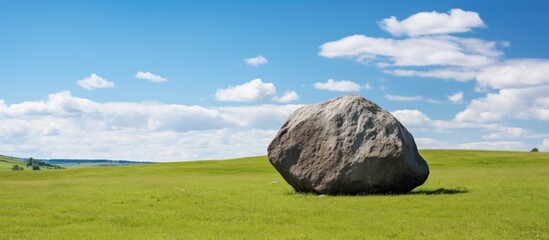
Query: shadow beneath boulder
(438, 191)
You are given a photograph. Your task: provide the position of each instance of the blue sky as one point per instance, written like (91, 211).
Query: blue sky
(180, 80)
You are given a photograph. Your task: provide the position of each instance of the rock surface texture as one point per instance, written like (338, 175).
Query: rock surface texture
(347, 145)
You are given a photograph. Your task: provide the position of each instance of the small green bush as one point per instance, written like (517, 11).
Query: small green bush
(35, 167)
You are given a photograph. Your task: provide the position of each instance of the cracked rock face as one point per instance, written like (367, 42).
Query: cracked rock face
(347, 145)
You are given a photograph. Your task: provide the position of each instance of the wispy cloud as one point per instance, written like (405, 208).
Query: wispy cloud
(392, 97)
(93, 82)
(495, 145)
(150, 77)
(256, 61)
(459, 74)
(340, 86)
(421, 51)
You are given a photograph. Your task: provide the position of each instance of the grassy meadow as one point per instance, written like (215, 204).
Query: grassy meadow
(469, 195)
(6, 163)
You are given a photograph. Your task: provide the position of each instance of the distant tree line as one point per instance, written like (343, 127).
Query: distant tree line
(35, 165)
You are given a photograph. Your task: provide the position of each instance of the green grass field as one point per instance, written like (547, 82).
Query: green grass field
(6, 163)
(469, 195)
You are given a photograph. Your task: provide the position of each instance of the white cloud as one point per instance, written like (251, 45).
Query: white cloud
(504, 132)
(521, 84)
(392, 97)
(340, 86)
(65, 126)
(524, 103)
(424, 23)
(497, 145)
(419, 121)
(261, 116)
(416, 121)
(420, 51)
(289, 96)
(461, 75)
(456, 97)
(254, 90)
(430, 143)
(94, 81)
(545, 144)
(256, 61)
(138, 144)
(515, 73)
(150, 77)
(435, 101)
(411, 117)
(522, 90)
(505, 43)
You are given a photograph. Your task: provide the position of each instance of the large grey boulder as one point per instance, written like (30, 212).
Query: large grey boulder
(347, 145)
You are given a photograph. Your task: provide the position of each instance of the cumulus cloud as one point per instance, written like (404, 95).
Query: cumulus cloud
(545, 144)
(256, 61)
(150, 77)
(495, 136)
(289, 96)
(94, 81)
(505, 132)
(425, 23)
(456, 97)
(413, 117)
(139, 144)
(340, 86)
(430, 143)
(419, 121)
(392, 97)
(67, 126)
(512, 88)
(255, 90)
(521, 85)
(515, 73)
(524, 103)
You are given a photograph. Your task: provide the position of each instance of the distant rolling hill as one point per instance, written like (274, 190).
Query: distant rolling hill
(92, 162)
(7, 162)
